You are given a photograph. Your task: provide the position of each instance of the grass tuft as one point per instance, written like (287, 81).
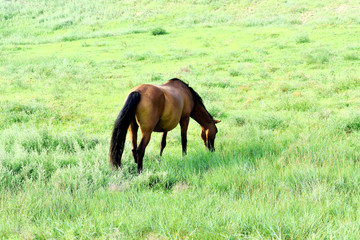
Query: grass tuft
(318, 56)
(351, 56)
(352, 124)
(302, 38)
(272, 122)
(63, 24)
(234, 72)
(159, 31)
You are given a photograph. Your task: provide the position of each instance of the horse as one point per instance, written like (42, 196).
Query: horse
(159, 108)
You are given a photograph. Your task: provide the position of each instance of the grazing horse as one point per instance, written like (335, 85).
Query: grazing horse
(159, 108)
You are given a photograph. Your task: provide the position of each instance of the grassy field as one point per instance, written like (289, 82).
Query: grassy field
(283, 76)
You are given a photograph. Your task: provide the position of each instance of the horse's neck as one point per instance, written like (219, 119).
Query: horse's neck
(201, 116)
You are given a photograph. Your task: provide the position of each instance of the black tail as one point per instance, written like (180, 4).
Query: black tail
(126, 115)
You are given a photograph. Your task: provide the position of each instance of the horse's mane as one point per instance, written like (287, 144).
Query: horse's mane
(196, 97)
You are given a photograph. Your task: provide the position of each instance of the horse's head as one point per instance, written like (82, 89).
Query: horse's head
(208, 135)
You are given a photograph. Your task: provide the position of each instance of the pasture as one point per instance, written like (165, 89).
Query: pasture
(282, 76)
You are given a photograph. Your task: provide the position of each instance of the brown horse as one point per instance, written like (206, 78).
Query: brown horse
(159, 108)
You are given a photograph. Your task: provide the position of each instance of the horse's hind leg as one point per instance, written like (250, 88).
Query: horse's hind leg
(163, 143)
(133, 129)
(141, 149)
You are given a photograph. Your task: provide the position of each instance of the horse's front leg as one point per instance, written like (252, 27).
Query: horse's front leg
(184, 123)
(133, 129)
(163, 143)
(141, 149)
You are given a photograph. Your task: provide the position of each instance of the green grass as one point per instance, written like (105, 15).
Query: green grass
(158, 31)
(285, 84)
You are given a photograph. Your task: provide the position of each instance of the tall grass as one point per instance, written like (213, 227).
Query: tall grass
(65, 179)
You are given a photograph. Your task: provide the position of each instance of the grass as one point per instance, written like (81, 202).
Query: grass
(158, 31)
(302, 38)
(285, 84)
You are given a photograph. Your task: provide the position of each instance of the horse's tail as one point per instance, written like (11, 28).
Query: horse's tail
(126, 115)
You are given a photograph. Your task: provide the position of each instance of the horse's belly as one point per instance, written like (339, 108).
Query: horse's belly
(166, 125)
(171, 114)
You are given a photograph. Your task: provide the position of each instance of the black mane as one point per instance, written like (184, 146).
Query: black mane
(196, 97)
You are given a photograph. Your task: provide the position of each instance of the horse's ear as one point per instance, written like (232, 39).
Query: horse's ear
(216, 121)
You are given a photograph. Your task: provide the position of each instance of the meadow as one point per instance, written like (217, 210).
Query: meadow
(282, 76)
